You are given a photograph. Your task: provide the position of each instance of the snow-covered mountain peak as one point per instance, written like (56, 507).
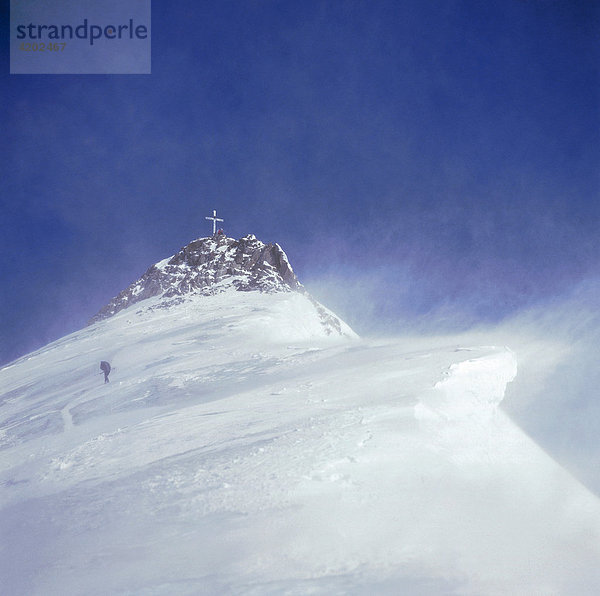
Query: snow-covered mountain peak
(209, 266)
(243, 446)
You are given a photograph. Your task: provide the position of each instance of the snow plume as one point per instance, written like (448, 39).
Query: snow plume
(556, 340)
(555, 397)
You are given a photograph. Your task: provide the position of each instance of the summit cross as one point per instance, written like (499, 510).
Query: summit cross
(214, 219)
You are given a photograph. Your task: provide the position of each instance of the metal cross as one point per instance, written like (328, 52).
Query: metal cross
(214, 219)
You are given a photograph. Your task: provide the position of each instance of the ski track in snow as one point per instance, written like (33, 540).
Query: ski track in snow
(237, 450)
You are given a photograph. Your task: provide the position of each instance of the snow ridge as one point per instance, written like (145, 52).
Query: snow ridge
(240, 450)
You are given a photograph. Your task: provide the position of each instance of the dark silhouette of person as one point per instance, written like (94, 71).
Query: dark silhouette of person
(105, 366)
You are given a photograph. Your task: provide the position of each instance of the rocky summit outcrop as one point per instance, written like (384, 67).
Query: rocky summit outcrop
(209, 266)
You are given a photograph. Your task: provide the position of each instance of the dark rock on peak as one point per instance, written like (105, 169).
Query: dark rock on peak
(209, 266)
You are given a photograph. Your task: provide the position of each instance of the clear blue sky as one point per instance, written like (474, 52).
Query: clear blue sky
(408, 155)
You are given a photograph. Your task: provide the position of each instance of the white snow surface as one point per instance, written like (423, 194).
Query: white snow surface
(238, 449)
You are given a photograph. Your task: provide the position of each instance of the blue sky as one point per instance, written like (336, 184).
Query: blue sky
(411, 158)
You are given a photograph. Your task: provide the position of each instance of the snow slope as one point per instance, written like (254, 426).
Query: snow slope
(239, 449)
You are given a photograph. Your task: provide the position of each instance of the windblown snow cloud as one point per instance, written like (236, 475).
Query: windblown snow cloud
(556, 397)
(557, 340)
